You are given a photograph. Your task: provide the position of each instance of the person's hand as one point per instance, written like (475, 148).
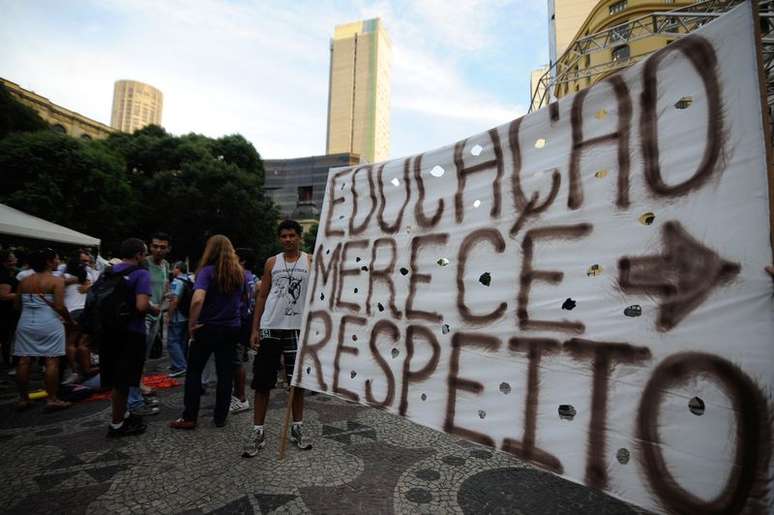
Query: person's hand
(255, 340)
(192, 328)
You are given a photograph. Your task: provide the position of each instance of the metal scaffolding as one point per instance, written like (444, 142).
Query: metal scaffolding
(673, 24)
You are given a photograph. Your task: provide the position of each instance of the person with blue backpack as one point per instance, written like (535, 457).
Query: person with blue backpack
(181, 291)
(247, 259)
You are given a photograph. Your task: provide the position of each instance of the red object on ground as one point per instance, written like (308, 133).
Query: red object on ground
(158, 381)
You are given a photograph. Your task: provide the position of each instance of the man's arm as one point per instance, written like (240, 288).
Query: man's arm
(142, 297)
(260, 301)
(142, 303)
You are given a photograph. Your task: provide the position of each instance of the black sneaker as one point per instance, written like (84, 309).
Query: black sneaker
(127, 429)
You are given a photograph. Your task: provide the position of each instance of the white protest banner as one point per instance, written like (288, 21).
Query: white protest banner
(583, 287)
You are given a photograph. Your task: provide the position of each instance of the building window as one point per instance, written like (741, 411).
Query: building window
(85, 137)
(59, 128)
(617, 7)
(620, 53)
(620, 34)
(305, 193)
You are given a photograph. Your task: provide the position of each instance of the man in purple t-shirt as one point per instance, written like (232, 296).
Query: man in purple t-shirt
(122, 351)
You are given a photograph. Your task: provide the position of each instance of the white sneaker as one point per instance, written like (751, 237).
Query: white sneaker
(72, 378)
(238, 406)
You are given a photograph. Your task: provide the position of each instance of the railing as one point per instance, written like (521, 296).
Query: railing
(673, 24)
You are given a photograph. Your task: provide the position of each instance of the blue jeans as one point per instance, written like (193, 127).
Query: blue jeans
(177, 345)
(152, 326)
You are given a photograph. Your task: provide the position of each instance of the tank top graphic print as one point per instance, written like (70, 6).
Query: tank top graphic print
(285, 303)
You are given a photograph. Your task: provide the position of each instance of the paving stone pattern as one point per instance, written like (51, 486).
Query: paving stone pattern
(364, 461)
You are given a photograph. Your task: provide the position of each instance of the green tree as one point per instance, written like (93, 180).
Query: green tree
(190, 186)
(193, 187)
(17, 117)
(310, 237)
(78, 184)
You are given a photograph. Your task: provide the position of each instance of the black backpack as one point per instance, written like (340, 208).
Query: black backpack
(108, 307)
(184, 302)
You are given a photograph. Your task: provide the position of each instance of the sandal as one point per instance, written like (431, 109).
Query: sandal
(181, 423)
(57, 405)
(23, 405)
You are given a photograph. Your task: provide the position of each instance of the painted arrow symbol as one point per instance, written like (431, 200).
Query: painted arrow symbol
(683, 275)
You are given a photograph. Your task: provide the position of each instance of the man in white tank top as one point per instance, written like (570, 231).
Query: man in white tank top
(279, 307)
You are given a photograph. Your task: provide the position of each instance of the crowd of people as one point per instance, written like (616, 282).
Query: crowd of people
(92, 325)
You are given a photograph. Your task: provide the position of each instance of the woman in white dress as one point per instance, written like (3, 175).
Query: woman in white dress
(40, 331)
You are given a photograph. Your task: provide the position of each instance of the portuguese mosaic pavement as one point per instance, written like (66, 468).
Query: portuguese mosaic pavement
(363, 461)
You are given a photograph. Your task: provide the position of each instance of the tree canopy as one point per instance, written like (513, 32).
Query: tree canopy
(132, 185)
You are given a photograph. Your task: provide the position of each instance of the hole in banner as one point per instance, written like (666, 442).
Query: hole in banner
(540, 143)
(445, 328)
(355, 290)
(395, 182)
(404, 270)
(485, 279)
(622, 456)
(322, 296)
(364, 268)
(601, 114)
(476, 203)
(696, 405)
(647, 218)
(505, 388)
(354, 337)
(308, 370)
(476, 150)
(437, 171)
(395, 353)
(352, 374)
(684, 103)
(380, 306)
(481, 414)
(569, 304)
(600, 174)
(424, 397)
(566, 412)
(594, 270)
(634, 310)
(442, 262)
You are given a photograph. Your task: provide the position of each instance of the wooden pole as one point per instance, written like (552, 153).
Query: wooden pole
(286, 425)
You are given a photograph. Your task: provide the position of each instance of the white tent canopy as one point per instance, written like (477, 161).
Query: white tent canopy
(18, 223)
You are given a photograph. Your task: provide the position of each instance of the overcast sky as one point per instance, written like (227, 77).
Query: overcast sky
(261, 68)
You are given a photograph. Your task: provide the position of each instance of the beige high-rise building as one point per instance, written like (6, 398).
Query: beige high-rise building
(135, 105)
(359, 91)
(565, 18)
